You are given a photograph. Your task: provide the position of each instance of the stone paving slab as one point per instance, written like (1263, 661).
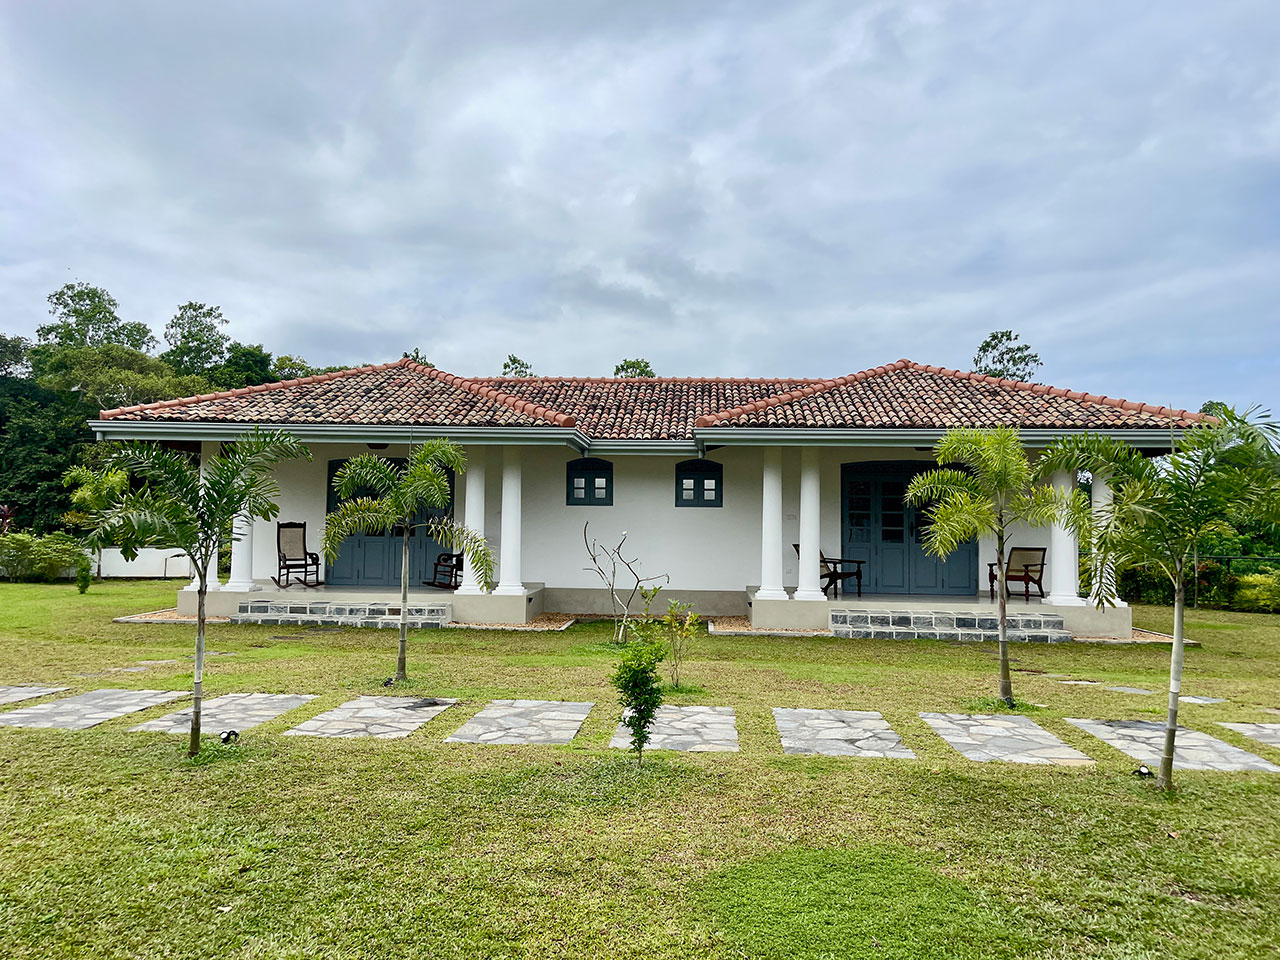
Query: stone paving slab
(1080, 683)
(18, 694)
(1144, 740)
(1138, 690)
(1202, 701)
(839, 733)
(386, 718)
(1014, 739)
(694, 729)
(88, 709)
(524, 722)
(232, 711)
(1268, 733)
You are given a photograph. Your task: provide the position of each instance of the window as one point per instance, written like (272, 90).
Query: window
(699, 483)
(589, 483)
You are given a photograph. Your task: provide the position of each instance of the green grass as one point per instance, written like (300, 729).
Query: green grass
(112, 844)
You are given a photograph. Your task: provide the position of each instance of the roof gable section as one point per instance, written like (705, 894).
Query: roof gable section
(912, 395)
(403, 392)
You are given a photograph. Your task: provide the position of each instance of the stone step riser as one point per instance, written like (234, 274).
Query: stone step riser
(429, 611)
(944, 621)
(381, 623)
(963, 635)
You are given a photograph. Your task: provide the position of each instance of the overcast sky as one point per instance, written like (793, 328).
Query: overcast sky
(724, 188)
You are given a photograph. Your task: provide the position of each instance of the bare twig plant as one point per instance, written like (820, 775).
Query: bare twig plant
(610, 563)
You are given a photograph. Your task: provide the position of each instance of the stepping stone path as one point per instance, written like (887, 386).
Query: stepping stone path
(88, 709)
(1202, 701)
(695, 729)
(839, 733)
(18, 694)
(233, 711)
(524, 722)
(386, 718)
(1144, 740)
(1268, 733)
(1014, 739)
(1137, 690)
(1080, 683)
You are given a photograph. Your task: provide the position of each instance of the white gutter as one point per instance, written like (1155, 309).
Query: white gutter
(1151, 438)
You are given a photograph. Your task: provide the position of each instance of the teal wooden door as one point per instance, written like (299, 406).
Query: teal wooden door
(375, 560)
(888, 533)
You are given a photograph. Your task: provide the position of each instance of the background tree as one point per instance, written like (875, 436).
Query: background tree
(378, 497)
(634, 368)
(417, 356)
(110, 375)
(1161, 510)
(42, 434)
(195, 338)
(13, 355)
(85, 316)
(513, 366)
(286, 366)
(93, 491)
(174, 503)
(993, 490)
(246, 365)
(1001, 355)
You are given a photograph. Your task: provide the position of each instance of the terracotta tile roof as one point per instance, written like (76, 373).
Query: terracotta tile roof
(397, 393)
(901, 395)
(907, 394)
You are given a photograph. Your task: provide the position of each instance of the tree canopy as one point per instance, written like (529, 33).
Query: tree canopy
(1002, 355)
(195, 338)
(85, 316)
(634, 368)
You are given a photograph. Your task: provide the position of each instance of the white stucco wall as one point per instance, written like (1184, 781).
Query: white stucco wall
(151, 562)
(700, 548)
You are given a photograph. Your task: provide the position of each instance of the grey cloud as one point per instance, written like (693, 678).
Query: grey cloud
(801, 188)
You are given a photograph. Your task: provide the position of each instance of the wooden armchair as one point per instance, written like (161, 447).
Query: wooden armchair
(297, 563)
(447, 573)
(833, 575)
(1025, 566)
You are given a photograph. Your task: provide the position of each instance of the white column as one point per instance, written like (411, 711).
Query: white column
(473, 514)
(1064, 555)
(509, 577)
(810, 525)
(1100, 501)
(242, 556)
(207, 450)
(771, 527)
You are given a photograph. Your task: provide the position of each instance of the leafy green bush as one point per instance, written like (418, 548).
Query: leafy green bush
(639, 689)
(24, 556)
(681, 624)
(1258, 592)
(84, 574)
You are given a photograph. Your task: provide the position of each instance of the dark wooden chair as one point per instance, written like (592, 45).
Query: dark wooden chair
(833, 575)
(297, 563)
(447, 574)
(1025, 566)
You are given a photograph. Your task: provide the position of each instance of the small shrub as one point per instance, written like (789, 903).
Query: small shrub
(24, 556)
(84, 574)
(639, 689)
(681, 624)
(1259, 592)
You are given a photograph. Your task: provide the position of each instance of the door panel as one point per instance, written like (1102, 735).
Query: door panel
(889, 535)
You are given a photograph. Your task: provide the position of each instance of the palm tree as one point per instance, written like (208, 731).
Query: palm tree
(1161, 509)
(379, 496)
(173, 501)
(985, 485)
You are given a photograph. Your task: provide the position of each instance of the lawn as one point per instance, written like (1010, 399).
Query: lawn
(114, 845)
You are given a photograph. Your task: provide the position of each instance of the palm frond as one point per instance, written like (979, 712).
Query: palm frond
(956, 519)
(366, 475)
(470, 543)
(358, 515)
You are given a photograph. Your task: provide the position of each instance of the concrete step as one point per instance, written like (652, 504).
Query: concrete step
(958, 624)
(337, 613)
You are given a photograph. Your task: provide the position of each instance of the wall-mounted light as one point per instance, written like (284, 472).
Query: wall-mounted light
(376, 446)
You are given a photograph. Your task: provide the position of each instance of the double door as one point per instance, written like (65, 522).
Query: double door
(881, 528)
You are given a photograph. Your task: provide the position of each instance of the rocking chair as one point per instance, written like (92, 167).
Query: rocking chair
(297, 563)
(447, 573)
(832, 574)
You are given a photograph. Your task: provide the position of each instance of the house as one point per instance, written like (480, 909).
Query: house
(714, 480)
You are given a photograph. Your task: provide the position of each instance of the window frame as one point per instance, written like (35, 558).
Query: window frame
(700, 470)
(590, 470)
